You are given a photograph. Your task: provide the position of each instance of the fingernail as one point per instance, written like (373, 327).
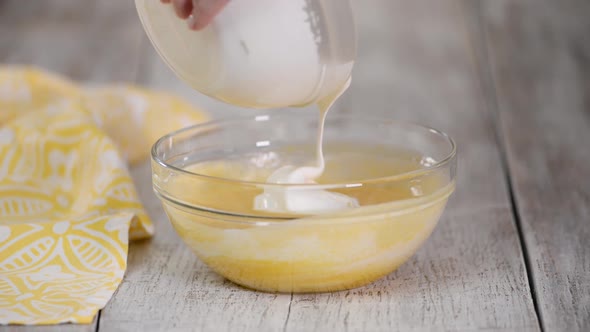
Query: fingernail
(192, 22)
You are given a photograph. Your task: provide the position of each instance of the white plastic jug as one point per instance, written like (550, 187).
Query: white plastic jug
(259, 53)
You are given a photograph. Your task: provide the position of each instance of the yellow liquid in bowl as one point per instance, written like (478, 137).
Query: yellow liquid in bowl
(326, 252)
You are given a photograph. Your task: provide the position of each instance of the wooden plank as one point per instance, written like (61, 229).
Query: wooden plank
(414, 64)
(97, 41)
(52, 328)
(91, 41)
(539, 53)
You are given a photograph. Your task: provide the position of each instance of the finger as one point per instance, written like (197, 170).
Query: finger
(183, 8)
(204, 11)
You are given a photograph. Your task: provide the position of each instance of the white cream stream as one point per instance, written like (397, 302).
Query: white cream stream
(298, 200)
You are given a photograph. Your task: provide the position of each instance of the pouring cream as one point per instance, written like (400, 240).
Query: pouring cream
(267, 54)
(294, 200)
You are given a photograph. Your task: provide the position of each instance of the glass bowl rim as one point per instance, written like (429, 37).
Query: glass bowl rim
(449, 156)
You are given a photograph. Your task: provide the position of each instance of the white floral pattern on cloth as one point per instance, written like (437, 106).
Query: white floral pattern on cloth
(68, 206)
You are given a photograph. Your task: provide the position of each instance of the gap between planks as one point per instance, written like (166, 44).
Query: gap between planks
(478, 40)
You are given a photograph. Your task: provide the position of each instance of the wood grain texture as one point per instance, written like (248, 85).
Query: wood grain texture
(539, 54)
(55, 328)
(414, 64)
(97, 41)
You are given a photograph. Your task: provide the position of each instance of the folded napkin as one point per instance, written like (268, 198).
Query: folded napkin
(67, 203)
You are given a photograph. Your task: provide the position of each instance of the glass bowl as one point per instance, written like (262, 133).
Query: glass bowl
(297, 252)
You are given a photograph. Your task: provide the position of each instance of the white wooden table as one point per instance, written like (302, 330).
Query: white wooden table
(508, 79)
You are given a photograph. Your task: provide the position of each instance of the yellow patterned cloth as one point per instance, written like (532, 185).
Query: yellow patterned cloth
(67, 203)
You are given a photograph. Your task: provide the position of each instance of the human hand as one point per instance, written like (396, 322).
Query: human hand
(197, 13)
